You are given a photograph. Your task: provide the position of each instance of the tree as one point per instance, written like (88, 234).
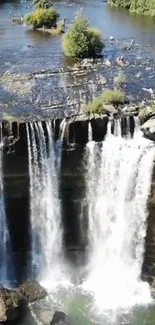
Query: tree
(42, 18)
(43, 4)
(81, 41)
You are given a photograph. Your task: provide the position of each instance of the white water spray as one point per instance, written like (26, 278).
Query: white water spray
(45, 209)
(6, 266)
(118, 184)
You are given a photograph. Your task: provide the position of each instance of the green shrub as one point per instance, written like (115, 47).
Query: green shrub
(120, 79)
(114, 97)
(81, 41)
(146, 7)
(42, 4)
(42, 18)
(96, 106)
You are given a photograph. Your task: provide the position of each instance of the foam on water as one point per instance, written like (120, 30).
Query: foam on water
(118, 183)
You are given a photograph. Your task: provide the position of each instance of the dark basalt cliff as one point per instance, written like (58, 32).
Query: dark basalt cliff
(72, 185)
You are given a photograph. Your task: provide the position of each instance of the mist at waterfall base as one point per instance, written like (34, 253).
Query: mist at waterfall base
(118, 180)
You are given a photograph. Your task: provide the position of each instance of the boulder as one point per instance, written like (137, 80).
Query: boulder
(31, 290)
(10, 305)
(59, 318)
(148, 129)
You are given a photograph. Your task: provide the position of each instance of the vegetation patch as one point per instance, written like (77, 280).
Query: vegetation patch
(145, 7)
(114, 97)
(40, 18)
(120, 79)
(146, 111)
(42, 4)
(82, 41)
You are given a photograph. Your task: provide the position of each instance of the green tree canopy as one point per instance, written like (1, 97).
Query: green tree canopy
(43, 4)
(42, 18)
(81, 41)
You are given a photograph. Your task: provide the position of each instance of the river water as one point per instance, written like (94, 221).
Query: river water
(24, 52)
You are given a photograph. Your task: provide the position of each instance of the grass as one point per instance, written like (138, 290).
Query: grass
(8, 117)
(120, 79)
(109, 96)
(113, 96)
(144, 112)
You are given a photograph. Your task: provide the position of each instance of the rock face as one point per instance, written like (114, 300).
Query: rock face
(31, 291)
(148, 129)
(10, 305)
(59, 318)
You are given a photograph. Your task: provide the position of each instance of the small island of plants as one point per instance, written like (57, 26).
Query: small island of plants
(82, 41)
(44, 17)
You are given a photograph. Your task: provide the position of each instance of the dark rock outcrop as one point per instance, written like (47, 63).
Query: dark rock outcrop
(59, 318)
(31, 291)
(148, 129)
(11, 304)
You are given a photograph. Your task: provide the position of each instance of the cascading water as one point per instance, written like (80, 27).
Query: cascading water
(6, 266)
(45, 209)
(118, 182)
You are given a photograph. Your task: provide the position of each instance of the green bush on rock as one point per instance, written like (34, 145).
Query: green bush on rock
(109, 96)
(43, 4)
(42, 18)
(81, 41)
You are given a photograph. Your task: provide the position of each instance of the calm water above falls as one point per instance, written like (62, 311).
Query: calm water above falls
(26, 51)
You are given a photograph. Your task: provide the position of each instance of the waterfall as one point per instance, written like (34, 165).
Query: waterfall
(45, 208)
(118, 182)
(6, 265)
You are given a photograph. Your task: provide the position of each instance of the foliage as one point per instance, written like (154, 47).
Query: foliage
(43, 4)
(114, 97)
(81, 41)
(96, 106)
(145, 111)
(42, 18)
(120, 79)
(146, 7)
(120, 3)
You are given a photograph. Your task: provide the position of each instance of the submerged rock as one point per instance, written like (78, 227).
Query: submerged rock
(148, 129)
(11, 303)
(59, 317)
(31, 290)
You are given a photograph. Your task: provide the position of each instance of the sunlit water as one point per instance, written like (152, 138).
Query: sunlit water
(111, 291)
(117, 194)
(45, 209)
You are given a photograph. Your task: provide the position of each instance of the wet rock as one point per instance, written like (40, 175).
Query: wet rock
(132, 109)
(11, 304)
(59, 318)
(138, 75)
(110, 109)
(18, 20)
(148, 129)
(146, 113)
(31, 290)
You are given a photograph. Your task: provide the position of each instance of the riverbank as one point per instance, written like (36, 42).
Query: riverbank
(138, 7)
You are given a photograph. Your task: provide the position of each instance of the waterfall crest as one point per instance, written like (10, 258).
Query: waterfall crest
(6, 265)
(118, 182)
(45, 208)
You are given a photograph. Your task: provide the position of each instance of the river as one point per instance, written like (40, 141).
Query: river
(23, 52)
